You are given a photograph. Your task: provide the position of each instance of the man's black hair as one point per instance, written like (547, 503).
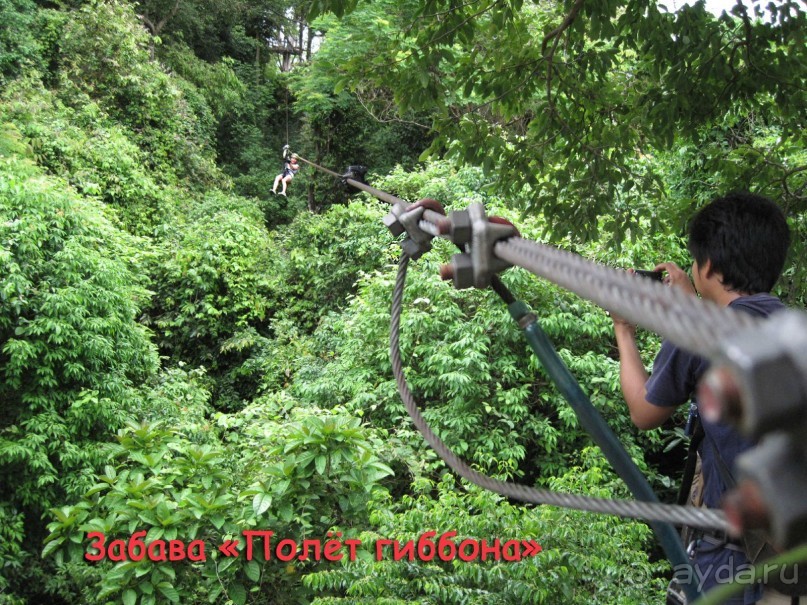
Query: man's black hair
(745, 237)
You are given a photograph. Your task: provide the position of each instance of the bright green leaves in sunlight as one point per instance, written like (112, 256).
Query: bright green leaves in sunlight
(297, 478)
(606, 573)
(72, 353)
(137, 92)
(19, 48)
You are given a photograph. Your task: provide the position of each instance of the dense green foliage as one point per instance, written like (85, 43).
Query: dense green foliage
(563, 573)
(72, 350)
(184, 355)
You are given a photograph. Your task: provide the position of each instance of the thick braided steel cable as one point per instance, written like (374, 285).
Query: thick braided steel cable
(693, 324)
(377, 193)
(698, 326)
(646, 511)
(433, 223)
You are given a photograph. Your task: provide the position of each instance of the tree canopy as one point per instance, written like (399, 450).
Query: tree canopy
(580, 103)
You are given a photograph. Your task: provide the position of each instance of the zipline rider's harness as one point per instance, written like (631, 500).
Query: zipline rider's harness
(758, 378)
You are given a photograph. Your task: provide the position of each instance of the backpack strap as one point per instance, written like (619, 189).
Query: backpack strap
(755, 541)
(694, 428)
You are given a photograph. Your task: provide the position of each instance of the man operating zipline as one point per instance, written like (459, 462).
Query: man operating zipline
(739, 244)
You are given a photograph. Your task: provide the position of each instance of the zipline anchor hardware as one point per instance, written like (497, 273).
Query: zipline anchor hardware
(357, 173)
(286, 152)
(771, 490)
(754, 384)
(758, 365)
(477, 267)
(410, 219)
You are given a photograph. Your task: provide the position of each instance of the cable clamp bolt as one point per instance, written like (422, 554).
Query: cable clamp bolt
(759, 383)
(775, 471)
(407, 219)
(478, 266)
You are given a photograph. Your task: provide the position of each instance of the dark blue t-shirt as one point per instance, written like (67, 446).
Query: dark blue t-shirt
(675, 376)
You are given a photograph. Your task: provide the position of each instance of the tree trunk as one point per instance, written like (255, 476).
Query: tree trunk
(311, 188)
(257, 59)
(155, 29)
(311, 184)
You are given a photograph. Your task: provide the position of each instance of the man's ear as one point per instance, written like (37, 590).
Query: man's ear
(706, 269)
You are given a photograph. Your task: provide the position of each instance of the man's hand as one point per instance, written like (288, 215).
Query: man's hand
(676, 277)
(621, 325)
(633, 378)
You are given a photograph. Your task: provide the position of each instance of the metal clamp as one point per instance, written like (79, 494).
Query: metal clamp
(478, 266)
(760, 385)
(354, 173)
(771, 491)
(761, 381)
(408, 219)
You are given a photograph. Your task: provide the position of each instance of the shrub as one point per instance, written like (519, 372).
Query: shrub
(72, 351)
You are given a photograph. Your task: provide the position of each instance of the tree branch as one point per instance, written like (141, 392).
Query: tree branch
(565, 24)
(388, 120)
(165, 19)
(147, 22)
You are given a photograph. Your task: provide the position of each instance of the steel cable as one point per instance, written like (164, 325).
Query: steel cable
(646, 511)
(433, 223)
(376, 193)
(693, 324)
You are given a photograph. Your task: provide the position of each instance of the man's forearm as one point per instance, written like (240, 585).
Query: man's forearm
(632, 375)
(633, 379)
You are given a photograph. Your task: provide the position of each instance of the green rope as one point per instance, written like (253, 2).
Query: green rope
(597, 428)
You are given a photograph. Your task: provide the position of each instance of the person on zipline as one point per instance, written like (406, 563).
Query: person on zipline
(739, 244)
(290, 168)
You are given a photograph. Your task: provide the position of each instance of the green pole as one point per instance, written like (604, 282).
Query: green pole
(593, 423)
